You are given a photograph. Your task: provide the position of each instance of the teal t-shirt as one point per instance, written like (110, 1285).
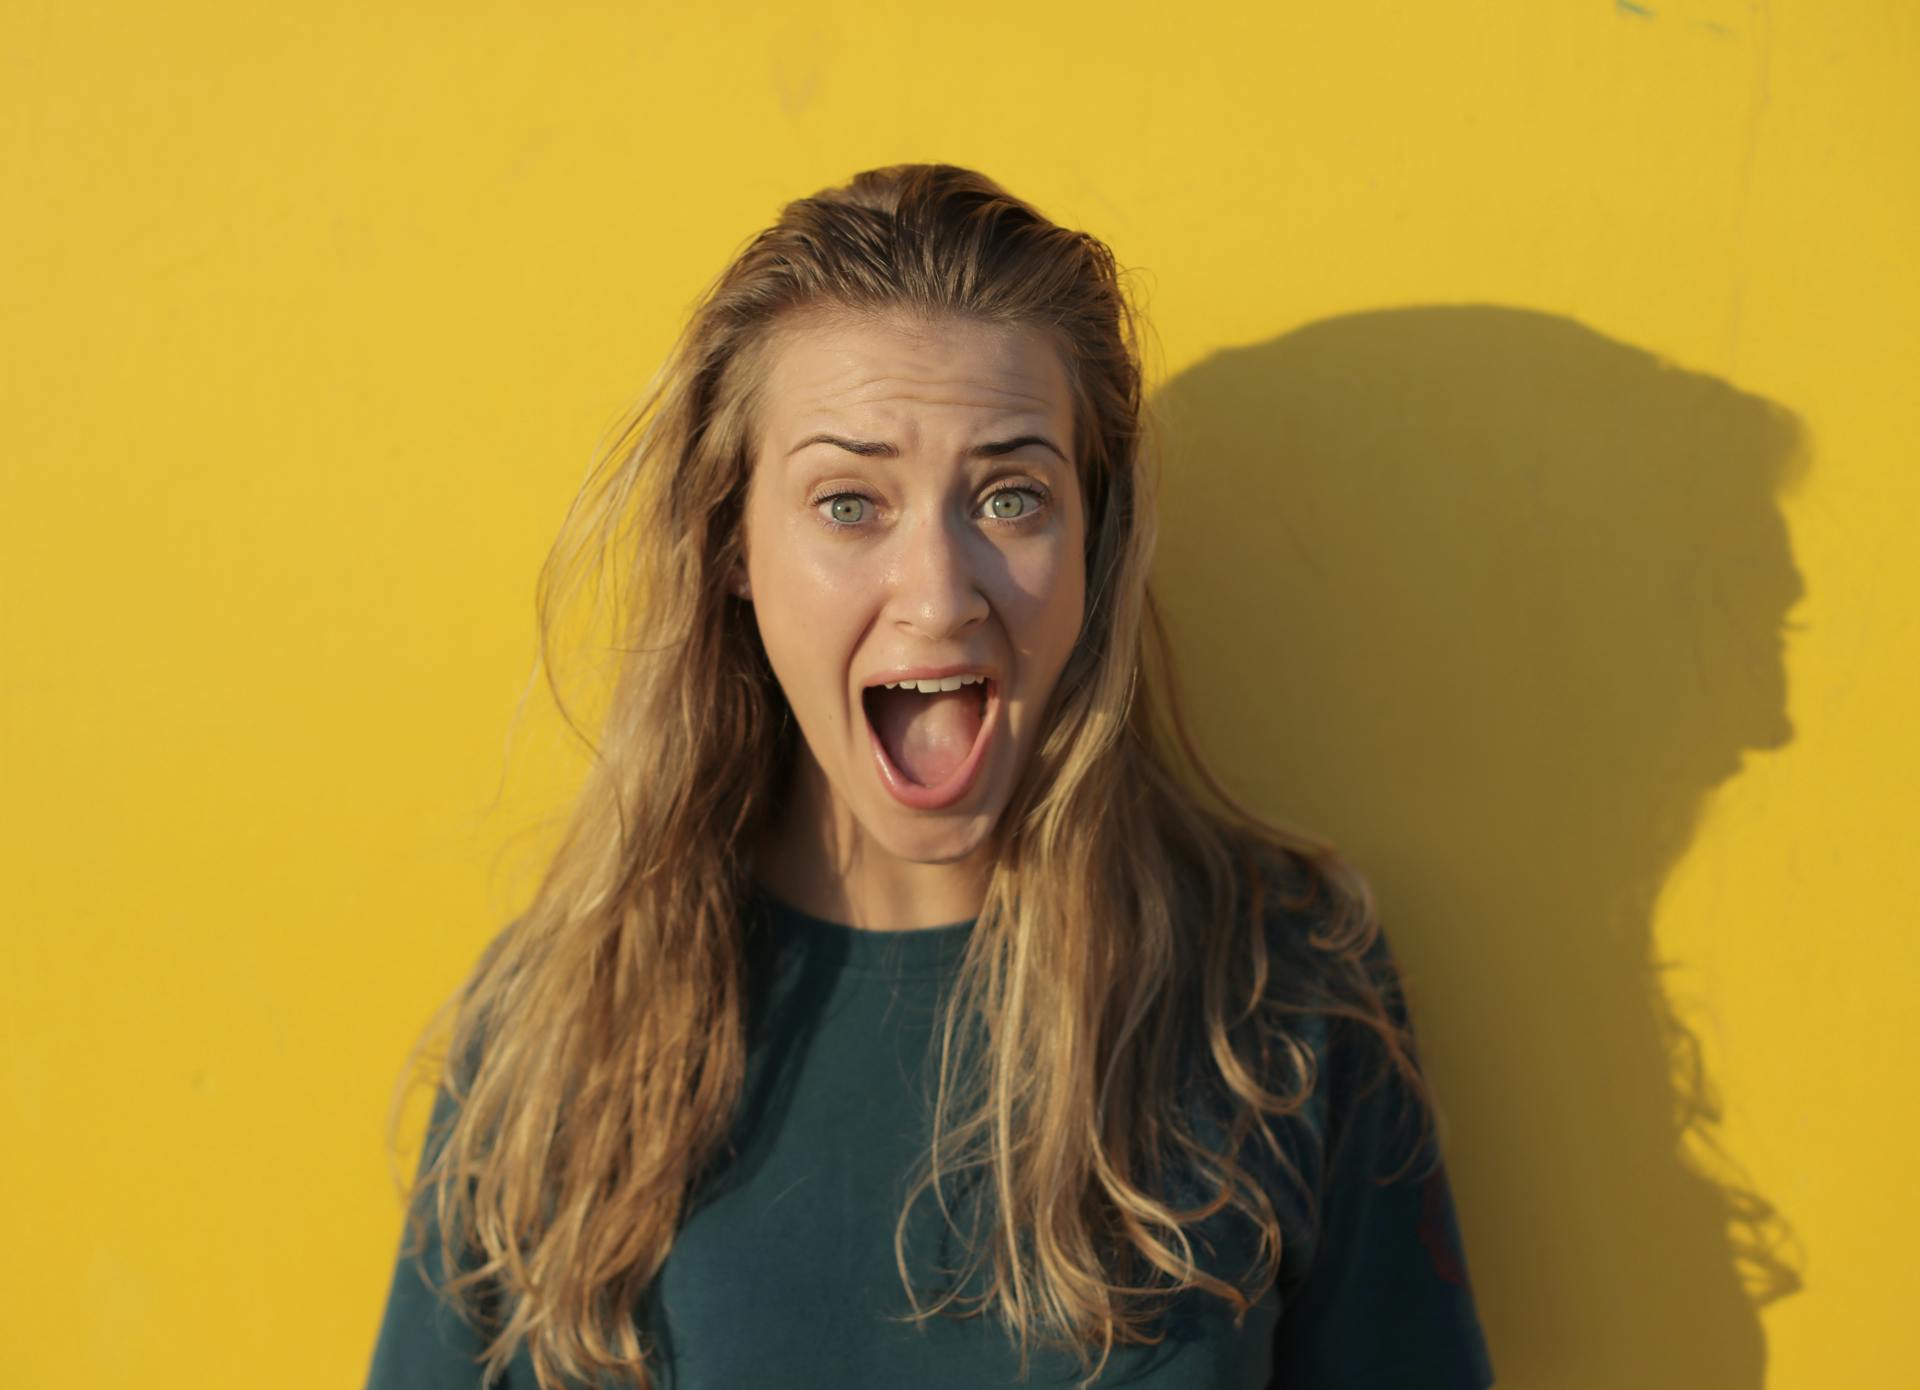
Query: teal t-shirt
(783, 1273)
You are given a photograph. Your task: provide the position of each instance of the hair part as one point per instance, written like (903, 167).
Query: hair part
(1139, 922)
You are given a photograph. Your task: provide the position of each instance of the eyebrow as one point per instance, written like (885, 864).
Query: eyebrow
(879, 448)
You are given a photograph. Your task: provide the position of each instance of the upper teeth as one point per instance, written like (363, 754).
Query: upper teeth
(933, 687)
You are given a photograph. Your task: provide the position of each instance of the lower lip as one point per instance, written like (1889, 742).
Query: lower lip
(910, 793)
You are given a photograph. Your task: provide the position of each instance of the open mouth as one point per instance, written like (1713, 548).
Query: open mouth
(929, 742)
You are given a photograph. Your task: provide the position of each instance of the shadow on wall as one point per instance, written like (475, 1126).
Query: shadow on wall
(1494, 603)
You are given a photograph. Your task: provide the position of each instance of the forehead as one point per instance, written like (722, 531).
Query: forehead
(901, 374)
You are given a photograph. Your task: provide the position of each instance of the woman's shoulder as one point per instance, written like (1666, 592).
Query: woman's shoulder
(473, 1013)
(1317, 920)
(1332, 976)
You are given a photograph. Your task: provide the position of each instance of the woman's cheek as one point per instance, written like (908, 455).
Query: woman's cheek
(1042, 580)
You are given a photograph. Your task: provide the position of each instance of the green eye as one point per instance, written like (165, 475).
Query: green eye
(1010, 504)
(849, 509)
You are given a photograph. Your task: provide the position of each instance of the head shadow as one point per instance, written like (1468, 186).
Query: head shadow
(1495, 602)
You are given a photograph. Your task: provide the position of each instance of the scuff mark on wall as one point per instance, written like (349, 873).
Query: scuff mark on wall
(801, 60)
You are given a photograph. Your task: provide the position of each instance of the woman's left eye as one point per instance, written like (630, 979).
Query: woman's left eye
(1008, 504)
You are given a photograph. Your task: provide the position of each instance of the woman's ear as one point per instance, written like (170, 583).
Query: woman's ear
(737, 583)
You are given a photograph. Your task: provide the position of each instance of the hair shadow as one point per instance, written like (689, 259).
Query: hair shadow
(1495, 602)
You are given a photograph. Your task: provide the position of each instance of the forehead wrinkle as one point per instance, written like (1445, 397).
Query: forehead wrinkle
(995, 413)
(892, 385)
(851, 368)
(845, 391)
(877, 413)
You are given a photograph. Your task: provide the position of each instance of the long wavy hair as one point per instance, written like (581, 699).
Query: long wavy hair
(598, 1047)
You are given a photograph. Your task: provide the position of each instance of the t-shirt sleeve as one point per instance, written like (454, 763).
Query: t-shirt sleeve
(1385, 1303)
(423, 1342)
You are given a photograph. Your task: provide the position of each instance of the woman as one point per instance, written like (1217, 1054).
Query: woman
(906, 1005)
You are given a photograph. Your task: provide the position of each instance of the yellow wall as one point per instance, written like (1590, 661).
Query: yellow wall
(1527, 364)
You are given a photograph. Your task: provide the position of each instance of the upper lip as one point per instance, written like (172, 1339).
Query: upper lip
(929, 673)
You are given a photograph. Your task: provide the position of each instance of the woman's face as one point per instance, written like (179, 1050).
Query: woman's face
(914, 512)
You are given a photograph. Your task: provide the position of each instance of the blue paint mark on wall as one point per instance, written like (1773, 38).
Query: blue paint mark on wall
(1628, 7)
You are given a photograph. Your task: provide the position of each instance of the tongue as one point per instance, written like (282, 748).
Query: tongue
(927, 736)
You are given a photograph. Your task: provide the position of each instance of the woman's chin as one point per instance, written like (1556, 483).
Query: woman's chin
(930, 837)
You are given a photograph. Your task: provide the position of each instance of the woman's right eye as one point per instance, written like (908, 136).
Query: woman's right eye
(846, 509)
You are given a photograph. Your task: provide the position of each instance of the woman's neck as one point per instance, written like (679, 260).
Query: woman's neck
(813, 856)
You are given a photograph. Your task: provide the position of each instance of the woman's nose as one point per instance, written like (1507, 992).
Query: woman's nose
(938, 591)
